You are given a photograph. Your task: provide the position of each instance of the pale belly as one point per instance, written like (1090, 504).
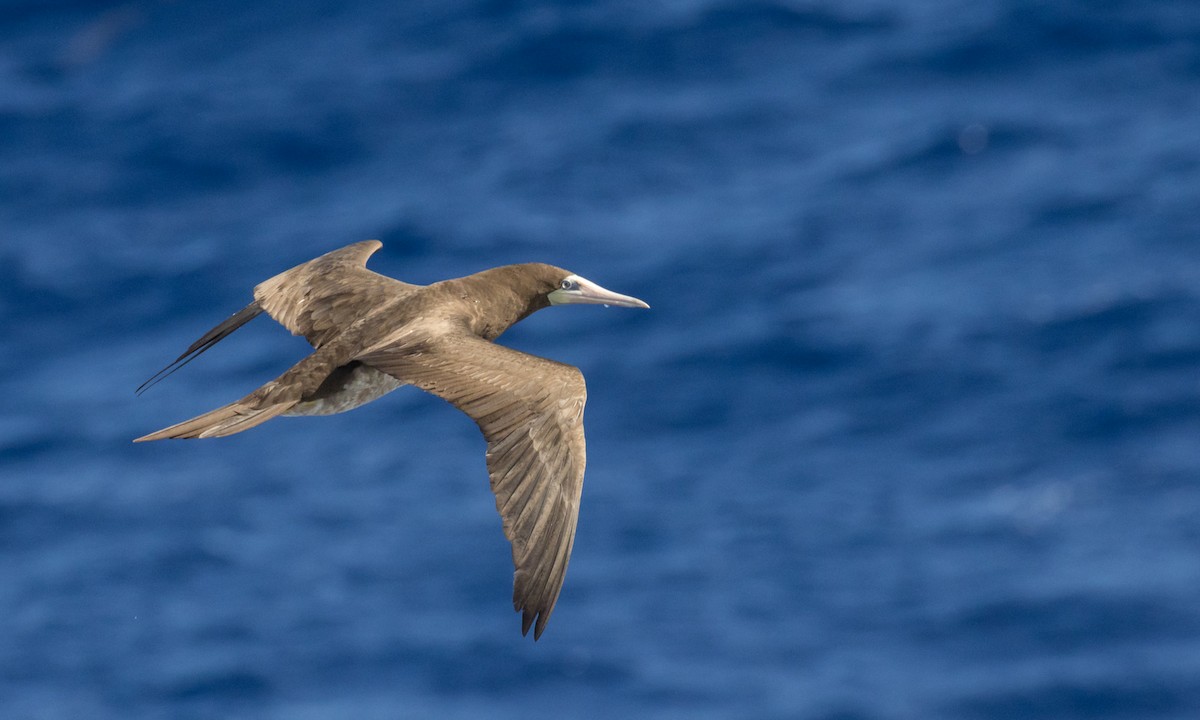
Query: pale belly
(345, 389)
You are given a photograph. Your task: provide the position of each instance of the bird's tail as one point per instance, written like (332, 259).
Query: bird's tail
(228, 420)
(271, 400)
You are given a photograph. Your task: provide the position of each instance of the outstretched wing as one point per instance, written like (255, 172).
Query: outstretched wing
(325, 295)
(317, 299)
(531, 413)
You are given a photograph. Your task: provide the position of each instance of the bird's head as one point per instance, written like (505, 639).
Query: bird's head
(516, 291)
(510, 293)
(566, 288)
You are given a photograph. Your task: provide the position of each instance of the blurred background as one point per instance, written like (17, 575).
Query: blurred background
(911, 430)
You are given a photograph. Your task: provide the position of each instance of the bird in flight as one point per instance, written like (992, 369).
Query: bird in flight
(372, 334)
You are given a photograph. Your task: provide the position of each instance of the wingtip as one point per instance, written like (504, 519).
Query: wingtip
(210, 338)
(534, 620)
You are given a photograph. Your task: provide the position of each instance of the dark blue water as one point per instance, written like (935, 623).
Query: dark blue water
(912, 430)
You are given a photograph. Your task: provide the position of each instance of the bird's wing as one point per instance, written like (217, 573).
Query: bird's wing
(317, 299)
(210, 338)
(324, 296)
(531, 413)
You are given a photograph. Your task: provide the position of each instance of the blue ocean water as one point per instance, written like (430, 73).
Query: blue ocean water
(911, 431)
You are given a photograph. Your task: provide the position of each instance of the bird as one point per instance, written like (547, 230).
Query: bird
(372, 334)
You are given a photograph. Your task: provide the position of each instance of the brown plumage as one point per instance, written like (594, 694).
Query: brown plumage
(372, 334)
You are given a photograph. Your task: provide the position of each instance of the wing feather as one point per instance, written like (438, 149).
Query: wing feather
(530, 411)
(322, 297)
(318, 299)
(210, 338)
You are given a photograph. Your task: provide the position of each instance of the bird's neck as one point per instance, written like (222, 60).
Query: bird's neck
(494, 300)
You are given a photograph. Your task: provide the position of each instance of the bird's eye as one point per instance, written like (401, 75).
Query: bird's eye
(567, 284)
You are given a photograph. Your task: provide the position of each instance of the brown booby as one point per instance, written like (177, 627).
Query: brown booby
(372, 334)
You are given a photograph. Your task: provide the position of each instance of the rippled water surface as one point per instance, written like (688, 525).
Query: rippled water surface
(911, 431)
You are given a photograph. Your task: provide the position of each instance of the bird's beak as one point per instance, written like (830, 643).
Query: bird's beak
(586, 291)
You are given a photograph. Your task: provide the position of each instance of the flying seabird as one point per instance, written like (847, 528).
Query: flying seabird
(372, 334)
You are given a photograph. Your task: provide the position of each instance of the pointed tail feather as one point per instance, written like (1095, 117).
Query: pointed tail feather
(271, 400)
(228, 420)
